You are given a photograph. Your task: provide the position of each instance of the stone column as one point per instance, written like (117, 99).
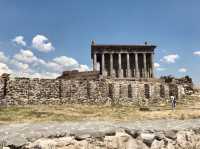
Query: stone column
(152, 65)
(128, 65)
(137, 73)
(111, 64)
(94, 61)
(120, 66)
(102, 64)
(145, 65)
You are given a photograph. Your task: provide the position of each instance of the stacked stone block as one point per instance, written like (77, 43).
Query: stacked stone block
(2, 90)
(34, 91)
(18, 91)
(24, 91)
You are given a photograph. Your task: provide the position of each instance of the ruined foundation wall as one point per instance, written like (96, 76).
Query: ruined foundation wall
(2, 88)
(24, 91)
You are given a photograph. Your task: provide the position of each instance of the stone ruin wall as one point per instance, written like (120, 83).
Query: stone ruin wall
(76, 75)
(22, 91)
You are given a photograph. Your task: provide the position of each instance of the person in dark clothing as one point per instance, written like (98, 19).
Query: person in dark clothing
(173, 102)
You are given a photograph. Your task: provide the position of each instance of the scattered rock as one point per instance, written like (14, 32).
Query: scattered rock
(16, 141)
(147, 138)
(133, 133)
(110, 133)
(82, 137)
(159, 136)
(170, 146)
(196, 130)
(98, 137)
(137, 144)
(157, 144)
(171, 134)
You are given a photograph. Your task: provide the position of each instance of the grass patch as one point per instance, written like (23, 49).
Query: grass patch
(39, 113)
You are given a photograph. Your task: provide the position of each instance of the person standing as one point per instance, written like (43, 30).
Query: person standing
(173, 102)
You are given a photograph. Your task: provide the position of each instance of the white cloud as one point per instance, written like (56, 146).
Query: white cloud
(21, 66)
(4, 69)
(83, 68)
(196, 53)
(26, 56)
(160, 69)
(25, 63)
(63, 63)
(31, 65)
(156, 65)
(183, 70)
(3, 58)
(19, 40)
(66, 62)
(53, 66)
(42, 44)
(46, 75)
(170, 58)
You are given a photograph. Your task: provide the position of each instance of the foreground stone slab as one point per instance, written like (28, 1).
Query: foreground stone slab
(102, 135)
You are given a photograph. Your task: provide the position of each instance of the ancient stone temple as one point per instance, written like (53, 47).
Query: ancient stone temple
(123, 61)
(122, 74)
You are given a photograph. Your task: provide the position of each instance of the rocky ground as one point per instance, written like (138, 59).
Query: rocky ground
(165, 134)
(129, 129)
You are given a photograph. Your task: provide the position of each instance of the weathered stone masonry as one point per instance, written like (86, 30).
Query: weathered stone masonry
(24, 91)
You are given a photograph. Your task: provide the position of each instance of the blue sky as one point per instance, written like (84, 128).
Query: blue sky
(63, 31)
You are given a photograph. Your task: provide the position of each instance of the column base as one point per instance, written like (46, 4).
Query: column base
(112, 73)
(137, 75)
(128, 73)
(104, 73)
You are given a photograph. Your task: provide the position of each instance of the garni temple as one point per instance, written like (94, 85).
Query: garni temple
(123, 61)
(118, 62)
(122, 74)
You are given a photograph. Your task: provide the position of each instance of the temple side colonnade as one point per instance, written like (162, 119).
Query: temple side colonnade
(123, 61)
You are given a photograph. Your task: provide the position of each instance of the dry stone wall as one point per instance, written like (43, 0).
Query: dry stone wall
(2, 86)
(22, 91)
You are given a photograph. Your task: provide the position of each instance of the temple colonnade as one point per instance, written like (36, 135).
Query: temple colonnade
(124, 64)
